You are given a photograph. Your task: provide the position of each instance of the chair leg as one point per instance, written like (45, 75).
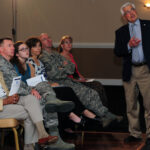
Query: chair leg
(2, 138)
(82, 137)
(16, 138)
(20, 134)
(82, 134)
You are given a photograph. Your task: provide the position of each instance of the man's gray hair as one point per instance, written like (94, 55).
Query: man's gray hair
(125, 5)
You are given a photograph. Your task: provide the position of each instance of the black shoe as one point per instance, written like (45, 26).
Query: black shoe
(82, 122)
(69, 131)
(147, 145)
(80, 125)
(110, 119)
(59, 106)
(97, 119)
(106, 122)
(131, 139)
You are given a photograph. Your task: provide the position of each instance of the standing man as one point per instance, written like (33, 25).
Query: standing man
(132, 43)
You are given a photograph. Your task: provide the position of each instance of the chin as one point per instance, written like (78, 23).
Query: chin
(132, 20)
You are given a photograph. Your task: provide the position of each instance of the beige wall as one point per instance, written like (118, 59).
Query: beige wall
(98, 63)
(88, 21)
(5, 18)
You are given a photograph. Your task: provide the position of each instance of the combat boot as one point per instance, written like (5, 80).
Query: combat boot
(58, 106)
(60, 144)
(110, 118)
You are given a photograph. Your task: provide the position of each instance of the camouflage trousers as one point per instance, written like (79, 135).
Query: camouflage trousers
(88, 97)
(47, 93)
(97, 86)
(50, 119)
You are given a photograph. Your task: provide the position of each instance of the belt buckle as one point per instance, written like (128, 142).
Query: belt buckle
(139, 64)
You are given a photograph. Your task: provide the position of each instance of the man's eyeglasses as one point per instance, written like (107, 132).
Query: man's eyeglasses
(129, 11)
(24, 49)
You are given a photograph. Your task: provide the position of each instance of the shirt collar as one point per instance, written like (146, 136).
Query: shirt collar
(137, 22)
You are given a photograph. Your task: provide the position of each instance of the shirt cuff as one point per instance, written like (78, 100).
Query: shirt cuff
(129, 48)
(1, 104)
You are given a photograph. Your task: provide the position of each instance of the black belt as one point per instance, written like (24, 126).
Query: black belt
(139, 64)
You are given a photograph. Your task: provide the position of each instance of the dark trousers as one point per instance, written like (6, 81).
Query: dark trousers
(66, 93)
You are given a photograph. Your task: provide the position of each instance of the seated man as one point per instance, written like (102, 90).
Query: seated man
(6, 53)
(25, 108)
(58, 68)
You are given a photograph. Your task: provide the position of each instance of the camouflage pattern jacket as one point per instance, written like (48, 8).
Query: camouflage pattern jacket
(43, 88)
(57, 67)
(9, 73)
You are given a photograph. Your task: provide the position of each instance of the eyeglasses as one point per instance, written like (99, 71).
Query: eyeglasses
(129, 11)
(67, 42)
(24, 49)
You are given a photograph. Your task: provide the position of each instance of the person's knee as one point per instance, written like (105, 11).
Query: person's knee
(31, 99)
(15, 111)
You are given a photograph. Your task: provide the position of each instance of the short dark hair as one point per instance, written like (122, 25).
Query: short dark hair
(32, 41)
(15, 60)
(16, 46)
(5, 38)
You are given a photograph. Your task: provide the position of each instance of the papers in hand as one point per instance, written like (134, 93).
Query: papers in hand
(1, 104)
(90, 80)
(15, 85)
(2, 92)
(35, 80)
(59, 86)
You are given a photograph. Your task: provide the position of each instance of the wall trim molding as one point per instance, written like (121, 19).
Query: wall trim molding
(90, 45)
(111, 82)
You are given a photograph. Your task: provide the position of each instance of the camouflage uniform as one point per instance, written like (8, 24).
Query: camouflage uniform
(43, 88)
(58, 72)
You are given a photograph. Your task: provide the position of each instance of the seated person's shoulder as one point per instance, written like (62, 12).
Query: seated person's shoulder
(54, 51)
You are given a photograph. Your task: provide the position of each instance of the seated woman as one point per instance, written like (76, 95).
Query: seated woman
(34, 67)
(16, 107)
(58, 68)
(64, 49)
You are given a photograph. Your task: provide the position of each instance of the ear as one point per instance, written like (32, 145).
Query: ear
(124, 18)
(0, 48)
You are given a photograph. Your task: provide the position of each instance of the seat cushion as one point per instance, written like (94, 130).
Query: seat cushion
(8, 123)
